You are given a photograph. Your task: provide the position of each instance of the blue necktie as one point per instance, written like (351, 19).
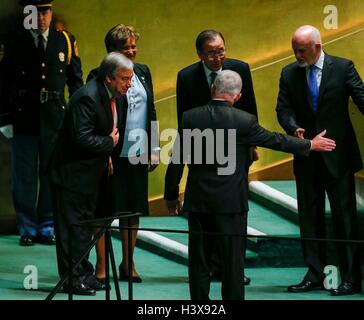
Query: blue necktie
(313, 87)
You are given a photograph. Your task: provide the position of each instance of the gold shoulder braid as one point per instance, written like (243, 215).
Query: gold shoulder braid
(75, 49)
(69, 54)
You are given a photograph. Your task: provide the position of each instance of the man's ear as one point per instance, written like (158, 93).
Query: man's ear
(237, 97)
(200, 55)
(107, 79)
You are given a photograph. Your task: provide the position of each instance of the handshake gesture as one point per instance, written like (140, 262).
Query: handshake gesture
(318, 143)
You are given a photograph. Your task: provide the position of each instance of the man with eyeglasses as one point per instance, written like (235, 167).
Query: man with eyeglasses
(193, 90)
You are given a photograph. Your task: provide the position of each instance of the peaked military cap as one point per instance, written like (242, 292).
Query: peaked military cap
(40, 4)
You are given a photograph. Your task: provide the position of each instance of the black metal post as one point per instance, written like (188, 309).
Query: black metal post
(113, 267)
(107, 275)
(70, 263)
(130, 263)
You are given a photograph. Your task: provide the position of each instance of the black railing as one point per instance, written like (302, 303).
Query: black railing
(105, 225)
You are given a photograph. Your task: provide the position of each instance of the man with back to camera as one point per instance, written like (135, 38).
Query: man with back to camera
(314, 95)
(219, 201)
(193, 90)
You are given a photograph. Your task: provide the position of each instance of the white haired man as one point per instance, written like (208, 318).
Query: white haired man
(90, 133)
(219, 202)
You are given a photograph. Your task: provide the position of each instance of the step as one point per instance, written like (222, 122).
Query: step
(281, 197)
(267, 194)
(274, 252)
(262, 221)
(173, 246)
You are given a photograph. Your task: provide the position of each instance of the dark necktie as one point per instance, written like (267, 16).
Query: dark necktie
(313, 87)
(41, 48)
(212, 78)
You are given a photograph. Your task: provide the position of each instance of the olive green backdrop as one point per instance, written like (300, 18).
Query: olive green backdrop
(258, 32)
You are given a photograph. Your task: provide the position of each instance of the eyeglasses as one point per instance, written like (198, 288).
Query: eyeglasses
(127, 48)
(215, 54)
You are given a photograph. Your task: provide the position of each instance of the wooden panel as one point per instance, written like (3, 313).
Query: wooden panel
(280, 170)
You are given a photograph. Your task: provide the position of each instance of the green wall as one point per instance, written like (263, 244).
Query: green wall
(257, 31)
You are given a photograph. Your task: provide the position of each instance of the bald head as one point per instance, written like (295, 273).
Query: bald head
(306, 45)
(308, 33)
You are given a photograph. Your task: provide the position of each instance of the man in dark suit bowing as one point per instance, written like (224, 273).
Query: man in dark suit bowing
(314, 95)
(89, 136)
(193, 90)
(217, 189)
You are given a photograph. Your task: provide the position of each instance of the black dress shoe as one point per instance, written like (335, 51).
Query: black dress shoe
(103, 281)
(123, 276)
(217, 277)
(81, 289)
(305, 286)
(346, 288)
(95, 284)
(27, 240)
(48, 240)
(246, 281)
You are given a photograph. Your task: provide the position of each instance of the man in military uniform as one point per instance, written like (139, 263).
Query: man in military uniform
(40, 63)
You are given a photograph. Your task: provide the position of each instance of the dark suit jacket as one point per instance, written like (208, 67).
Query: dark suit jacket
(210, 192)
(144, 75)
(193, 91)
(340, 80)
(84, 146)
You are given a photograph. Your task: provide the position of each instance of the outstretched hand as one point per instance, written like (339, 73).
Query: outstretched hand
(322, 144)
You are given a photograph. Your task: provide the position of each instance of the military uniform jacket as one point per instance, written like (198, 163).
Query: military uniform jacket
(29, 73)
